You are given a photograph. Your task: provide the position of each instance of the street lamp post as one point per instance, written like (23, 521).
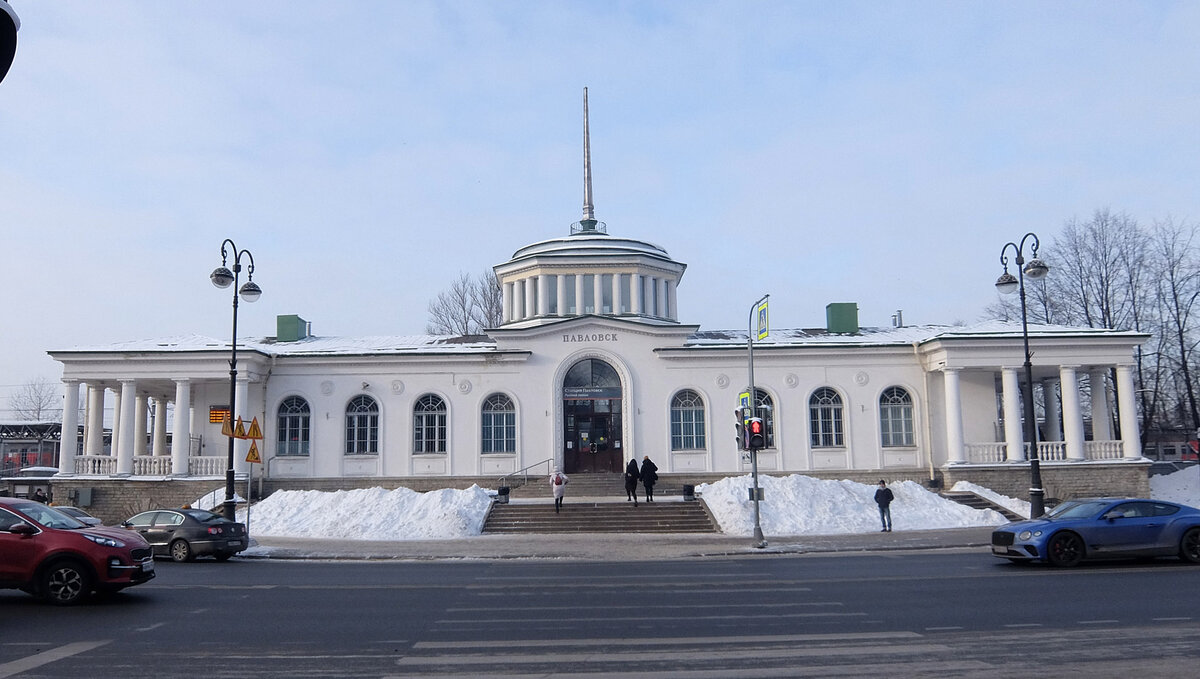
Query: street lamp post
(1007, 284)
(222, 277)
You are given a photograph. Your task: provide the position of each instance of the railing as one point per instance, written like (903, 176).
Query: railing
(506, 480)
(207, 465)
(1051, 451)
(95, 465)
(1103, 450)
(987, 452)
(1048, 451)
(151, 465)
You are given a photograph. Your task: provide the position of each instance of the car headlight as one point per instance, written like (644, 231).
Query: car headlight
(1026, 534)
(102, 540)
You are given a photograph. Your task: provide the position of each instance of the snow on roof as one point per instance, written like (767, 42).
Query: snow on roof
(445, 344)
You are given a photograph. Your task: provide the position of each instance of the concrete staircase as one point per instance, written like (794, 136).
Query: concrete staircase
(978, 502)
(599, 515)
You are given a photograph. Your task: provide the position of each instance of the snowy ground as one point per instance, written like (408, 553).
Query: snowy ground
(794, 505)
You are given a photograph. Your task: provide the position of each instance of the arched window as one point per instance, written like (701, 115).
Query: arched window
(825, 419)
(498, 432)
(765, 408)
(429, 425)
(896, 417)
(291, 427)
(362, 426)
(687, 421)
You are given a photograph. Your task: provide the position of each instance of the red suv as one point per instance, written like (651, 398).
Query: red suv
(46, 553)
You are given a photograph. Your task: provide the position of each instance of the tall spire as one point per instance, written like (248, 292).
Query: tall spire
(589, 214)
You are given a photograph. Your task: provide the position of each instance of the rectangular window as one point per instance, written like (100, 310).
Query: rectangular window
(499, 432)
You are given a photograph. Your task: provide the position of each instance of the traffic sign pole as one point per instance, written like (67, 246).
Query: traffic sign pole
(758, 313)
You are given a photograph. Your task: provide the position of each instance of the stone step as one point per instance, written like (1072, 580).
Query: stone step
(593, 485)
(589, 516)
(979, 502)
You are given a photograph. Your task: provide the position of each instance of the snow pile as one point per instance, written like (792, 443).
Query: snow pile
(1182, 486)
(802, 505)
(1018, 507)
(371, 514)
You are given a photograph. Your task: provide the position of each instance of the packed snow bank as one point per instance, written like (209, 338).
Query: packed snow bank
(371, 514)
(1182, 486)
(802, 505)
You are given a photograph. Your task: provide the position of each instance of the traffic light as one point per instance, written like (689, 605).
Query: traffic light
(741, 434)
(758, 433)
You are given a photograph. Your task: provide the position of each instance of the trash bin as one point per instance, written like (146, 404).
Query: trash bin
(502, 495)
(689, 492)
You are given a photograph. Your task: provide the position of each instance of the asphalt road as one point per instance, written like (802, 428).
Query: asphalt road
(945, 613)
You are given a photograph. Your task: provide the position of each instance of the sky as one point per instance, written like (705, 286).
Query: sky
(367, 152)
(800, 505)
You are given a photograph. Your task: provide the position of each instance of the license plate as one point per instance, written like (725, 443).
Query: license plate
(997, 549)
(235, 543)
(147, 566)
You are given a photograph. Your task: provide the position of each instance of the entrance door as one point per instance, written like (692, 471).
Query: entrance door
(592, 418)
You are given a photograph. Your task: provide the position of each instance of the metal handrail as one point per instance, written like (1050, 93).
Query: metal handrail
(524, 472)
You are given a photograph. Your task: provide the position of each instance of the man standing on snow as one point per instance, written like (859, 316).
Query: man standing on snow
(883, 498)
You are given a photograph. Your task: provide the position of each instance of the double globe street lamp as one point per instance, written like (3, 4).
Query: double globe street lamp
(1007, 284)
(222, 277)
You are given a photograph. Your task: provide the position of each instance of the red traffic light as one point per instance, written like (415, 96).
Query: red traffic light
(758, 433)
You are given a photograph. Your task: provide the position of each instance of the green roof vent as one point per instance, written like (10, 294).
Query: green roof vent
(290, 328)
(841, 317)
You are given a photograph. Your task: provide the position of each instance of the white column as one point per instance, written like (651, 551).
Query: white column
(506, 302)
(518, 300)
(1101, 414)
(241, 446)
(579, 308)
(1131, 440)
(663, 311)
(1072, 413)
(69, 437)
(141, 408)
(543, 295)
(598, 292)
(672, 311)
(530, 296)
(159, 447)
(128, 401)
(560, 291)
(1050, 401)
(1013, 434)
(635, 293)
(181, 430)
(955, 450)
(616, 294)
(118, 408)
(93, 438)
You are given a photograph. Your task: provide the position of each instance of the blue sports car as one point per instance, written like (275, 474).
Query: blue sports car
(1102, 528)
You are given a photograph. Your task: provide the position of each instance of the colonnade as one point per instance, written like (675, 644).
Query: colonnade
(543, 295)
(1071, 432)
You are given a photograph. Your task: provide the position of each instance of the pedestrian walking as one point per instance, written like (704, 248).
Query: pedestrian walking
(631, 480)
(883, 498)
(558, 483)
(649, 477)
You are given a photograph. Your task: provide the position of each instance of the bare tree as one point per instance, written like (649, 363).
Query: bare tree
(37, 401)
(1098, 271)
(468, 307)
(1178, 290)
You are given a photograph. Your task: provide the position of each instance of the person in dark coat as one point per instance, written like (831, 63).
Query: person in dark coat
(883, 498)
(649, 477)
(631, 480)
(39, 495)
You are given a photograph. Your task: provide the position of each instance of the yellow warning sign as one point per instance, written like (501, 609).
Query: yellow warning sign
(254, 432)
(253, 456)
(226, 428)
(239, 430)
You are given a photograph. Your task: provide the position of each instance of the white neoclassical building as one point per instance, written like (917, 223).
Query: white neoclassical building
(590, 366)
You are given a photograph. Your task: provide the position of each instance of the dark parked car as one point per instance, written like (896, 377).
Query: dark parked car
(184, 534)
(46, 553)
(1102, 528)
(79, 514)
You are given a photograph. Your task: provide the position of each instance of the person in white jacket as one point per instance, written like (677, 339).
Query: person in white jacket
(558, 482)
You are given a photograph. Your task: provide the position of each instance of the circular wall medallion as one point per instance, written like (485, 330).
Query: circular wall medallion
(327, 387)
(722, 381)
(464, 387)
(861, 378)
(397, 387)
(791, 380)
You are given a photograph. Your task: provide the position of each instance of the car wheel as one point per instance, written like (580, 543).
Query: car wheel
(1189, 546)
(1065, 549)
(222, 556)
(181, 551)
(65, 583)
